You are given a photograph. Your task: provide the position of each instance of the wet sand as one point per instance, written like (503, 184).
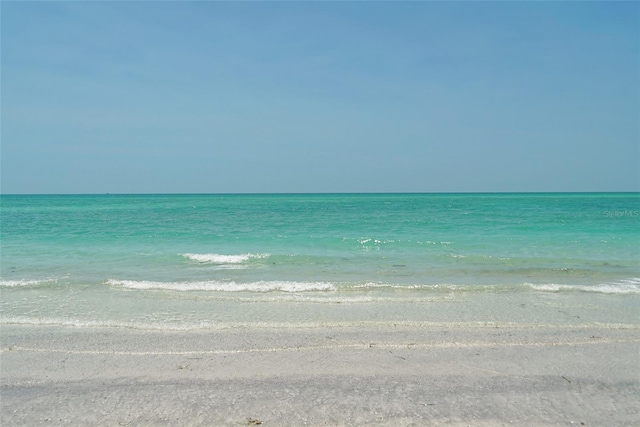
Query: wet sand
(371, 374)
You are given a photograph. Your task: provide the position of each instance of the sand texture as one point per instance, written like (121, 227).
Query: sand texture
(393, 375)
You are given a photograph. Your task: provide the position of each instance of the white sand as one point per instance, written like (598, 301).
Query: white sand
(422, 374)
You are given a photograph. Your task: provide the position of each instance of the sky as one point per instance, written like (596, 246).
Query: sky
(264, 97)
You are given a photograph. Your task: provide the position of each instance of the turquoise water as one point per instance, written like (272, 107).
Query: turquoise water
(184, 261)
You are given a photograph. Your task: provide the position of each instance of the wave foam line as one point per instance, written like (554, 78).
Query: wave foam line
(223, 259)
(631, 281)
(280, 326)
(372, 346)
(623, 287)
(261, 286)
(24, 282)
(194, 326)
(75, 323)
(626, 286)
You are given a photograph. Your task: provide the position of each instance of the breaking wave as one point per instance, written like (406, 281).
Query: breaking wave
(219, 286)
(25, 282)
(223, 259)
(626, 286)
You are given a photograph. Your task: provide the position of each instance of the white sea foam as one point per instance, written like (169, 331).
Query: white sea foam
(24, 282)
(71, 322)
(626, 286)
(223, 259)
(219, 286)
(413, 287)
(631, 281)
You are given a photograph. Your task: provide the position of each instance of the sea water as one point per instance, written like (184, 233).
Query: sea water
(301, 260)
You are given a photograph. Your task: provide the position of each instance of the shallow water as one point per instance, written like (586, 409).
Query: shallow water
(210, 261)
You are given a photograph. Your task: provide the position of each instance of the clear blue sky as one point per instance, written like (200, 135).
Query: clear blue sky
(171, 97)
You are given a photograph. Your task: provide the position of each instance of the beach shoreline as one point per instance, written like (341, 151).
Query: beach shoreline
(440, 374)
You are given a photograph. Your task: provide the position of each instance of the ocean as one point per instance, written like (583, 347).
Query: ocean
(183, 262)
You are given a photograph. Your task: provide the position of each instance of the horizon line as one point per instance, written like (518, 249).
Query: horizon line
(318, 193)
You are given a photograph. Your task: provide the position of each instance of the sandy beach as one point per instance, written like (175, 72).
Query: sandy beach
(320, 213)
(370, 374)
